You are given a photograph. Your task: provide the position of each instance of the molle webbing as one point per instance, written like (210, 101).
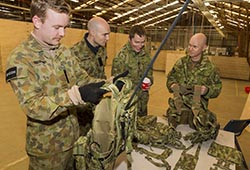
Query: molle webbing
(196, 106)
(188, 161)
(152, 133)
(161, 157)
(225, 155)
(177, 98)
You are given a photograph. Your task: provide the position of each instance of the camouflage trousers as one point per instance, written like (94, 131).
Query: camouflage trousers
(142, 104)
(60, 161)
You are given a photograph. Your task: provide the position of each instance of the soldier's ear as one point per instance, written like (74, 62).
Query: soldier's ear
(37, 21)
(205, 47)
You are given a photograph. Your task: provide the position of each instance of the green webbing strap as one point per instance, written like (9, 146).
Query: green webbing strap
(177, 98)
(162, 157)
(164, 164)
(188, 161)
(157, 134)
(196, 105)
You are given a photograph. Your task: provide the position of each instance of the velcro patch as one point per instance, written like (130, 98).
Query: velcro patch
(11, 73)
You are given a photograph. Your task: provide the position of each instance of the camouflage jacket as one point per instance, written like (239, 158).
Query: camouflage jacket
(203, 73)
(40, 79)
(93, 63)
(136, 63)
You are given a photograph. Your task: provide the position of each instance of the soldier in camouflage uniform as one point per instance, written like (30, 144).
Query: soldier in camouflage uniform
(92, 55)
(193, 69)
(91, 51)
(134, 57)
(49, 83)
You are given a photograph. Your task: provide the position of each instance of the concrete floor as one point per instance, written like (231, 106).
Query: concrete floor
(228, 105)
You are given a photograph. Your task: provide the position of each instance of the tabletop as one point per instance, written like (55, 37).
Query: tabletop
(205, 161)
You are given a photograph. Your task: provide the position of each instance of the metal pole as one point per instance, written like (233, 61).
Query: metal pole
(157, 52)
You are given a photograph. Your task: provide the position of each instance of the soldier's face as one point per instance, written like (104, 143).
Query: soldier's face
(52, 30)
(101, 35)
(196, 47)
(137, 43)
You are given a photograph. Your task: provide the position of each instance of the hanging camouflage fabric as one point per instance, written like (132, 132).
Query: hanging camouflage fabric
(111, 133)
(225, 155)
(203, 121)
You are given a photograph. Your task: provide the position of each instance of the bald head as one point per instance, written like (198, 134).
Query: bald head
(197, 44)
(99, 31)
(96, 22)
(201, 38)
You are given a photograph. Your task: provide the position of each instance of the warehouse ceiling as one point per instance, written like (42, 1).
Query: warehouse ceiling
(223, 15)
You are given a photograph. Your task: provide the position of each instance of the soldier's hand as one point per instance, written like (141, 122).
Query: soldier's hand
(204, 90)
(92, 92)
(173, 85)
(75, 95)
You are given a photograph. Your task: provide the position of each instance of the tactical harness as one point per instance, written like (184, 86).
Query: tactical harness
(203, 121)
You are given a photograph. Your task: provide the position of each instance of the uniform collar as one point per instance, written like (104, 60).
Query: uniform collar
(91, 47)
(44, 46)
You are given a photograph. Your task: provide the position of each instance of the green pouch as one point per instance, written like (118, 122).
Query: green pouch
(188, 161)
(225, 154)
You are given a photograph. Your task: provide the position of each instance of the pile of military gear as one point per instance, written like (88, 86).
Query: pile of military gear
(112, 130)
(183, 111)
(156, 134)
(116, 128)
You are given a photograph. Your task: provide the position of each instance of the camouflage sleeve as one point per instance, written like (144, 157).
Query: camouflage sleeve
(118, 64)
(150, 72)
(173, 75)
(214, 85)
(33, 100)
(42, 92)
(81, 75)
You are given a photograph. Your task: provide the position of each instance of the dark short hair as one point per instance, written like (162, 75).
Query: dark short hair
(40, 7)
(137, 29)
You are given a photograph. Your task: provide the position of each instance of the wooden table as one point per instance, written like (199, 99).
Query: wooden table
(204, 163)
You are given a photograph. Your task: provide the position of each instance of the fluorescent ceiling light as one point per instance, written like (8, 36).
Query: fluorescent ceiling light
(206, 3)
(97, 7)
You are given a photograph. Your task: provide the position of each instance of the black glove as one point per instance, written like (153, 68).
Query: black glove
(92, 92)
(119, 84)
